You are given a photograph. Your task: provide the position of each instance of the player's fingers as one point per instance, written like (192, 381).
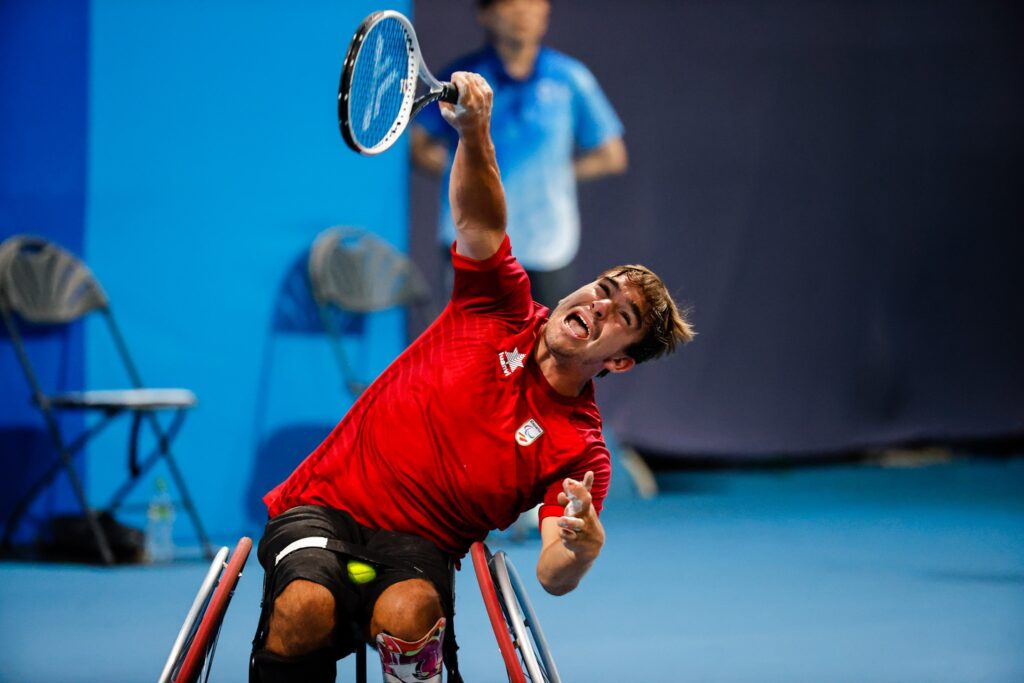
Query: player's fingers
(573, 524)
(474, 91)
(469, 88)
(579, 489)
(588, 480)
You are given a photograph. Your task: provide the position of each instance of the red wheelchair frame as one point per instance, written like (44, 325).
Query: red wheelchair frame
(521, 641)
(194, 647)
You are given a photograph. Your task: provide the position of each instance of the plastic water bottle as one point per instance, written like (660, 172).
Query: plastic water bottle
(160, 530)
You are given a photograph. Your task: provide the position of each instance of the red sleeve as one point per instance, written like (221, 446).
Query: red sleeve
(495, 286)
(599, 461)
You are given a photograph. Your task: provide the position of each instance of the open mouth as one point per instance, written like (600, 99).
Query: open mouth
(577, 326)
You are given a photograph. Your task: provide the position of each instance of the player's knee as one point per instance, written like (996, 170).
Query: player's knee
(302, 619)
(406, 610)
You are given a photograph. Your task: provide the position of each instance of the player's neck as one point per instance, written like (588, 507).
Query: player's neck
(519, 59)
(565, 377)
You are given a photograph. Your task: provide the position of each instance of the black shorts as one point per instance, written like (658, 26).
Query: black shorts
(406, 557)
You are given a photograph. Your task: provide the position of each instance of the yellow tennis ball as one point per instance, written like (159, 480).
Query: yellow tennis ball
(360, 572)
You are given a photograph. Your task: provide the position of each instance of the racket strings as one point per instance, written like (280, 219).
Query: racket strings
(380, 83)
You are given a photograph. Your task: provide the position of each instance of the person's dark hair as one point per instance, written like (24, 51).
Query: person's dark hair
(665, 325)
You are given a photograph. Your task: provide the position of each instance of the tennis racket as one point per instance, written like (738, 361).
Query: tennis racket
(377, 93)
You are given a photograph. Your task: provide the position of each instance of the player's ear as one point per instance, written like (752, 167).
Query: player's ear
(619, 363)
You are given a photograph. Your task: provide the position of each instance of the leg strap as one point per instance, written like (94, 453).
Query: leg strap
(352, 550)
(417, 662)
(316, 667)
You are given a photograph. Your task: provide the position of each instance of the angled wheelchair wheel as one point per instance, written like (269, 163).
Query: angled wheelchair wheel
(195, 651)
(188, 629)
(521, 640)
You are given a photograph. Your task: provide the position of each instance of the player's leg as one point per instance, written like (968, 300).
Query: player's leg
(408, 628)
(309, 607)
(302, 619)
(411, 618)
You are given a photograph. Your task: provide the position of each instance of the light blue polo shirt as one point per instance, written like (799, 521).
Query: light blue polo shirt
(538, 125)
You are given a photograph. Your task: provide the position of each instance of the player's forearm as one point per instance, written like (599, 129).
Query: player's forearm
(560, 569)
(475, 192)
(610, 158)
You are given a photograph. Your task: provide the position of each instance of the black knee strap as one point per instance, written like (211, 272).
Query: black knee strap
(316, 667)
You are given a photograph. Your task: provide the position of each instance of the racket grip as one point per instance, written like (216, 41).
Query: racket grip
(449, 93)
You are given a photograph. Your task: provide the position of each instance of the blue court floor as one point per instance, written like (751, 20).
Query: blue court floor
(852, 573)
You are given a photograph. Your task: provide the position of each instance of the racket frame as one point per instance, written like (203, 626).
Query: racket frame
(415, 68)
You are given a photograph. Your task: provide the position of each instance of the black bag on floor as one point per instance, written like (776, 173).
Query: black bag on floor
(68, 538)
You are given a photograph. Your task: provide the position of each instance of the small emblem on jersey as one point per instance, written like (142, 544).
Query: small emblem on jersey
(510, 360)
(528, 433)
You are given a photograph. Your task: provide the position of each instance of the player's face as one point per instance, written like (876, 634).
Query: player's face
(597, 322)
(517, 21)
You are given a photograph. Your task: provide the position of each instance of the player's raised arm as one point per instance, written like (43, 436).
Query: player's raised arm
(475, 192)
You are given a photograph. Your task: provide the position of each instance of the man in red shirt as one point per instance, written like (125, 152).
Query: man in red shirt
(489, 412)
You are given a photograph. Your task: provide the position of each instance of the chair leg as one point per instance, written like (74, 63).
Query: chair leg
(190, 507)
(101, 537)
(164, 439)
(90, 515)
(26, 501)
(63, 462)
(102, 544)
(94, 524)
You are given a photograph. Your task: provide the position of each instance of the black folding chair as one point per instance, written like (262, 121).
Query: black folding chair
(356, 272)
(43, 284)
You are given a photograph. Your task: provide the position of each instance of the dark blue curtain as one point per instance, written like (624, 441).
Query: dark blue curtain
(43, 131)
(835, 188)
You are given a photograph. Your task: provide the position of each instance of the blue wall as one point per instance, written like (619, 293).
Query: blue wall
(43, 72)
(213, 161)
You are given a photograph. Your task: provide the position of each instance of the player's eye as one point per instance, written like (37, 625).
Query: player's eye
(604, 289)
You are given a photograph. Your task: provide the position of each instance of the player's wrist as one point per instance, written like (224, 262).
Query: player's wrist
(476, 136)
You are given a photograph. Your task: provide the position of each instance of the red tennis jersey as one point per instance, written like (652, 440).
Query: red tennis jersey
(462, 432)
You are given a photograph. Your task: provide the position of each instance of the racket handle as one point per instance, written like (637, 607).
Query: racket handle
(449, 93)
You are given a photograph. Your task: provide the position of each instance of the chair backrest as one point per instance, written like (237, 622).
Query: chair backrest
(44, 283)
(359, 272)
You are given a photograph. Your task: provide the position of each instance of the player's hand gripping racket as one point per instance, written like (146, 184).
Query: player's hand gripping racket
(377, 93)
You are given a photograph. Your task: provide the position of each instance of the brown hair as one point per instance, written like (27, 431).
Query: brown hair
(664, 324)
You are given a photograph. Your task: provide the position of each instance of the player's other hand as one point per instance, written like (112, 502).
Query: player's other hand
(579, 527)
(472, 113)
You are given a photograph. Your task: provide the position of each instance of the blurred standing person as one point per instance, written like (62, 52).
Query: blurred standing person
(552, 125)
